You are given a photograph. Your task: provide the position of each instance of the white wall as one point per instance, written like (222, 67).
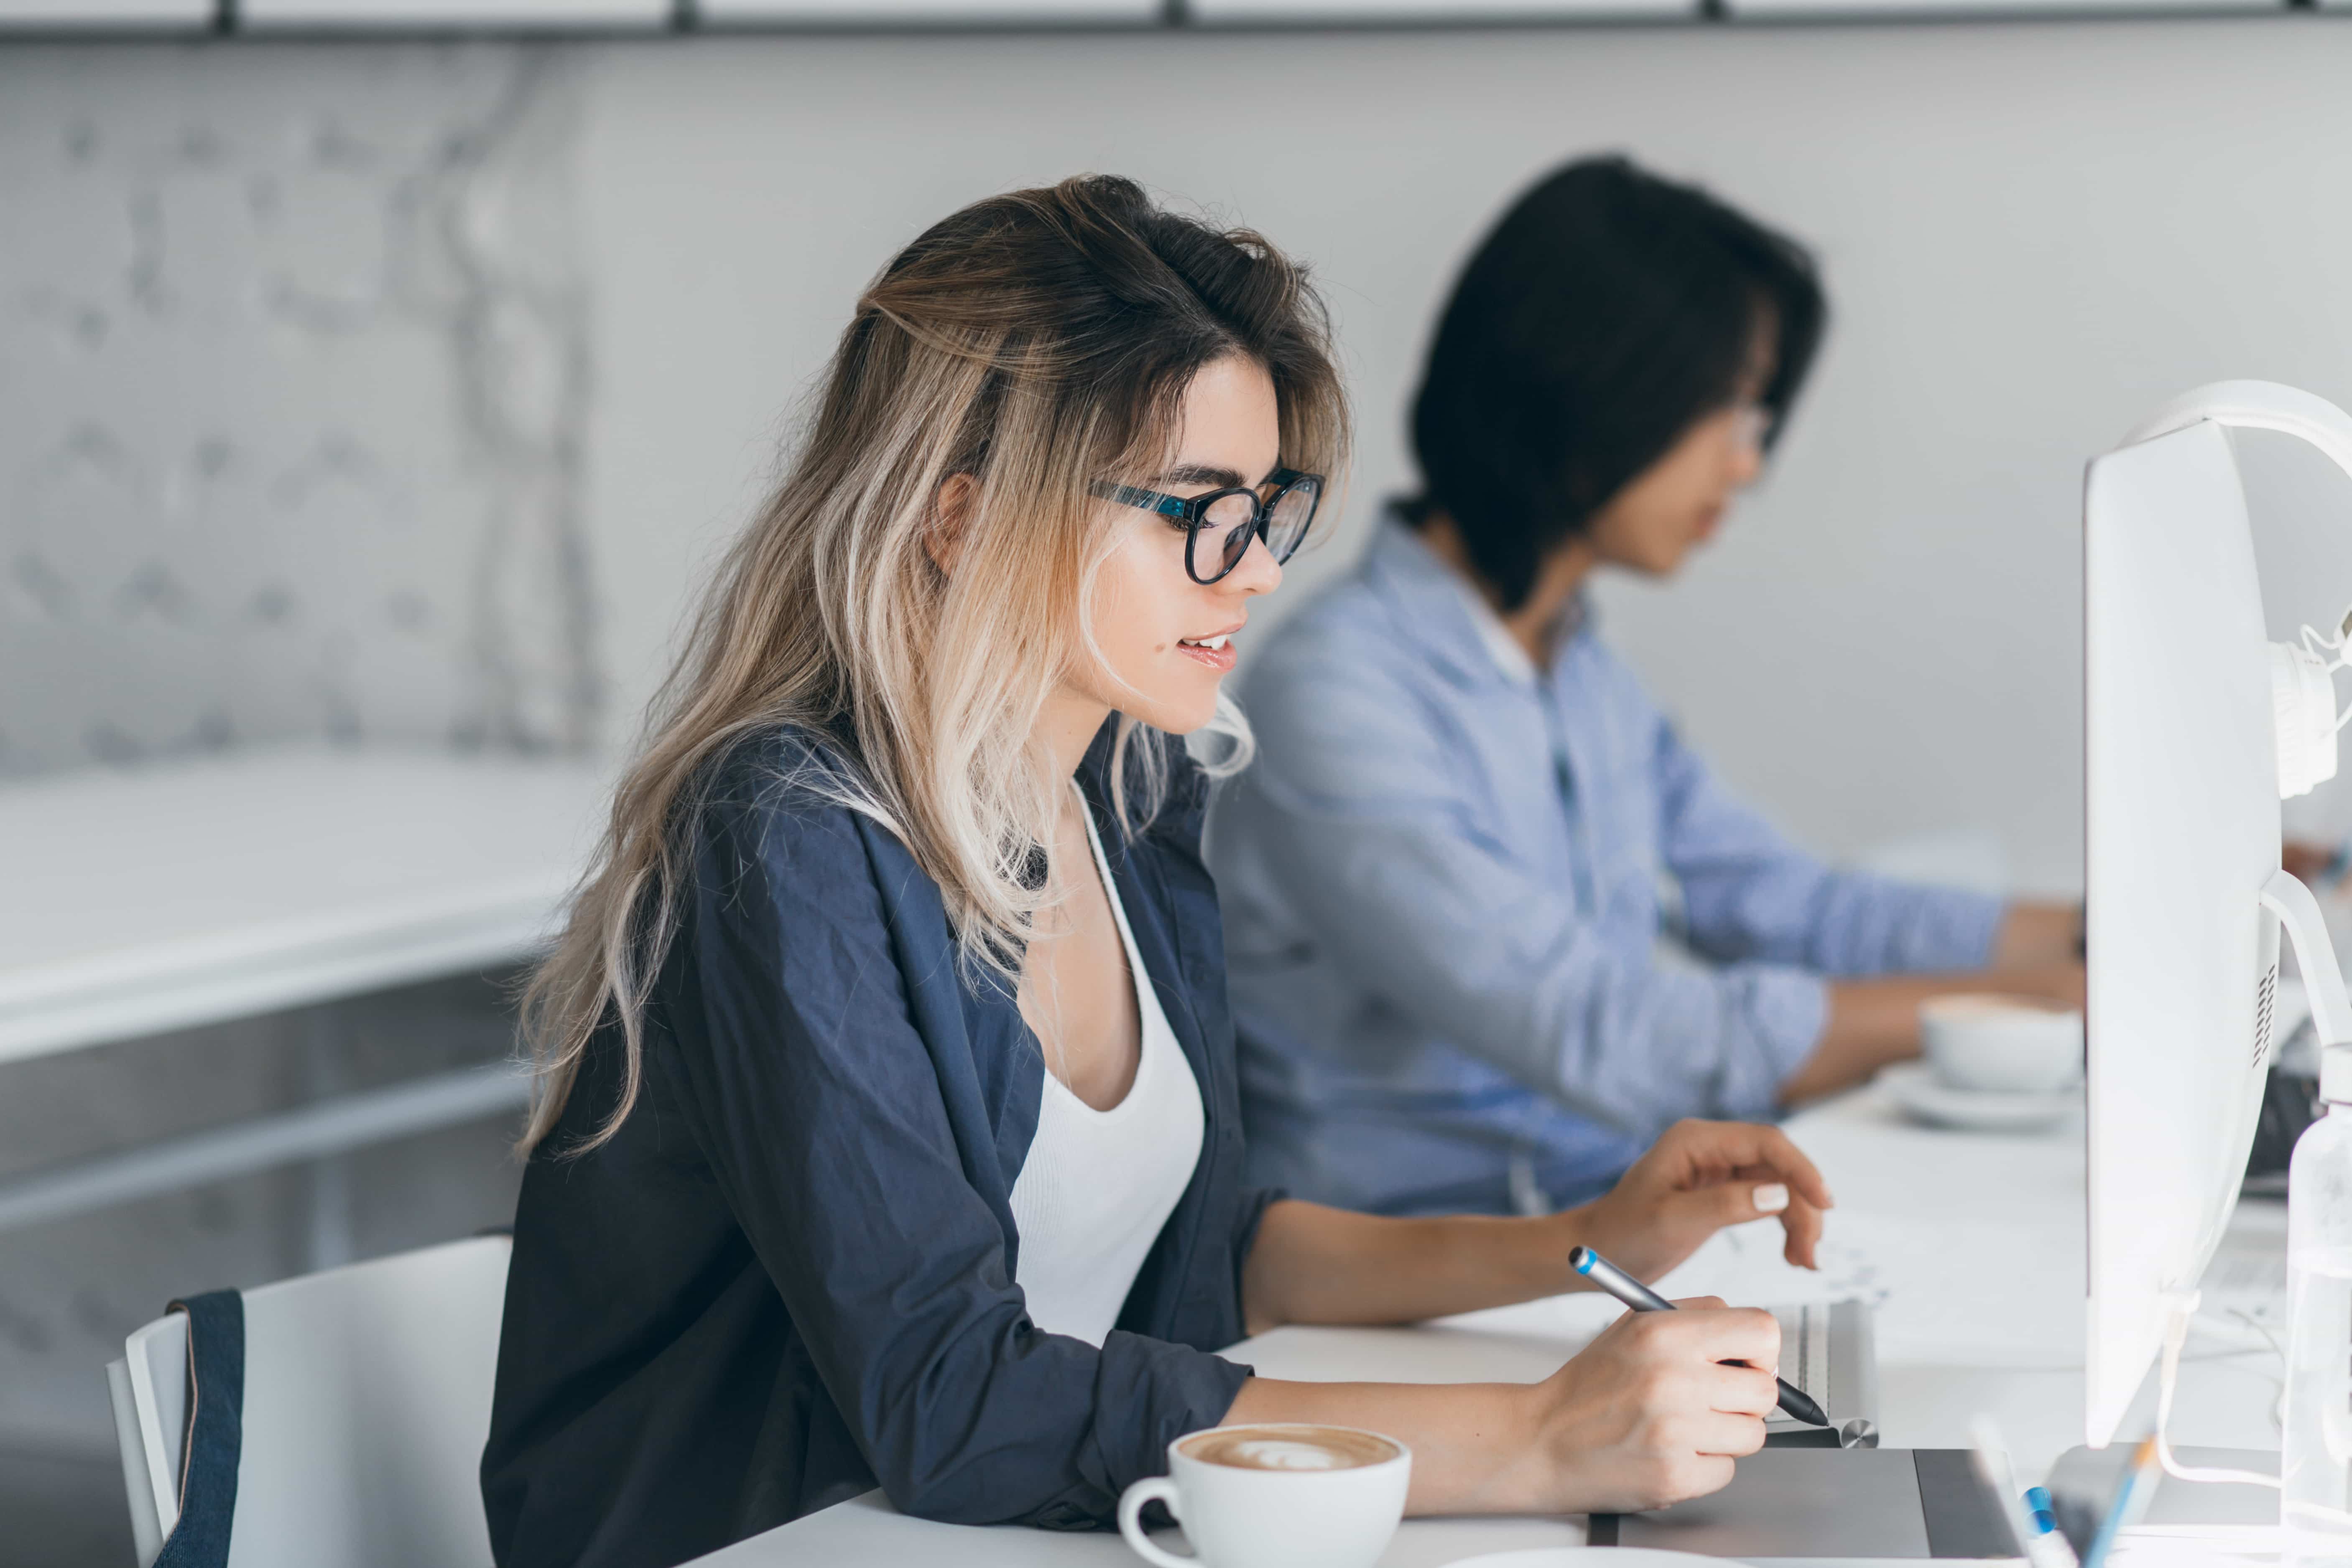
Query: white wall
(2033, 233)
(291, 374)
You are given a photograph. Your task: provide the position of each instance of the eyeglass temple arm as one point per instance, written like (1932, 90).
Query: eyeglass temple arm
(1150, 500)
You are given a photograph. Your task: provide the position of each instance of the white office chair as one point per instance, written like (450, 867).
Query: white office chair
(367, 1400)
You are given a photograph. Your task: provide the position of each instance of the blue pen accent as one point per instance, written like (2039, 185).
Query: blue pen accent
(1616, 1282)
(2131, 1500)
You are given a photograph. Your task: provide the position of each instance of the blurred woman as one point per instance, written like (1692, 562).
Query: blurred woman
(1447, 873)
(888, 1128)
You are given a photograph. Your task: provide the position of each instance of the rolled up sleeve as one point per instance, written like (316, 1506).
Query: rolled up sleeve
(819, 1105)
(1749, 893)
(1376, 839)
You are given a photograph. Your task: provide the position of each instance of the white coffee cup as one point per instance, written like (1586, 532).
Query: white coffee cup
(1278, 1495)
(2005, 1044)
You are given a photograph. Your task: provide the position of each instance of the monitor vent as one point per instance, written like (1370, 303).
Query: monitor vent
(2265, 996)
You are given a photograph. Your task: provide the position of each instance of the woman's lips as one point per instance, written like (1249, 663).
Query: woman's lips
(1220, 659)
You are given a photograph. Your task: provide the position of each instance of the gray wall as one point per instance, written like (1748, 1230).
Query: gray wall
(2034, 232)
(292, 369)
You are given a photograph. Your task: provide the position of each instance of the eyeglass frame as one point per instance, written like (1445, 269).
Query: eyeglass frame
(1191, 511)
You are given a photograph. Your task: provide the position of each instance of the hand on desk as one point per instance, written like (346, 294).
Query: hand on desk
(1875, 1021)
(1310, 1263)
(1650, 1412)
(2038, 933)
(1698, 1178)
(1646, 1415)
(1656, 1409)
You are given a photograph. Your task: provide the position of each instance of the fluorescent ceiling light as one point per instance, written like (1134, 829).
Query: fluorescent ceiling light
(1438, 11)
(453, 13)
(95, 14)
(971, 13)
(1983, 7)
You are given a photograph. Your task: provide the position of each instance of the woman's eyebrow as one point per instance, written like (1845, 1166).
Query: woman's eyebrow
(1207, 474)
(1200, 474)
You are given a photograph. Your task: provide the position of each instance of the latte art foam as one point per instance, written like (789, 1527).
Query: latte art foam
(1292, 1448)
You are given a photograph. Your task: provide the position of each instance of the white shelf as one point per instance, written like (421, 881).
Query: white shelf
(260, 15)
(1459, 12)
(109, 16)
(1834, 9)
(175, 896)
(925, 12)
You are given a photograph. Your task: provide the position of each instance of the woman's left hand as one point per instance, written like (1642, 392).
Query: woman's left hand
(1698, 1178)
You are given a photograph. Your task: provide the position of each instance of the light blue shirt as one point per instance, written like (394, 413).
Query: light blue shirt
(1444, 881)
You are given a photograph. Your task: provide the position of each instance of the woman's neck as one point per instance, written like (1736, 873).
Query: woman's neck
(1558, 576)
(1069, 726)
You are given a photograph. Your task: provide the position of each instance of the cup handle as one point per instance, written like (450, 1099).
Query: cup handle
(1131, 1503)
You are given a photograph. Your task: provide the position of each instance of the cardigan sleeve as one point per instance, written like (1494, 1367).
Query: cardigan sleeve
(821, 1112)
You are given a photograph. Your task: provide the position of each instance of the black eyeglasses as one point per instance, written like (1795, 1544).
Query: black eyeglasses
(1231, 518)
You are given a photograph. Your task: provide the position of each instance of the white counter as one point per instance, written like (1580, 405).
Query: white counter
(187, 893)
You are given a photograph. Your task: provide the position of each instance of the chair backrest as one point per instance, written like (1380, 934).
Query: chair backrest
(367, 1400)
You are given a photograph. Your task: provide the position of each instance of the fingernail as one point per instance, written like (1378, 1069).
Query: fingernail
(1771, 1197)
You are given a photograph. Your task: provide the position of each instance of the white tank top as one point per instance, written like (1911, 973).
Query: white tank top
(1099, 1185)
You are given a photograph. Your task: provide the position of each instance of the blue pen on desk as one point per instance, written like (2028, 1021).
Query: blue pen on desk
(2030, 1523)
(2133, 1495)
(1641, 1298)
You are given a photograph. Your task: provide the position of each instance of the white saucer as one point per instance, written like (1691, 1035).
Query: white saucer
(1593, 1557)
(1917, 1091)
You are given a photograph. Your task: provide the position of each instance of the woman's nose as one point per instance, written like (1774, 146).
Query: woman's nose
(1258, 572)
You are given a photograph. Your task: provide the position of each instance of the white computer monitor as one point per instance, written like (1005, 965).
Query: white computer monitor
(2182, 773)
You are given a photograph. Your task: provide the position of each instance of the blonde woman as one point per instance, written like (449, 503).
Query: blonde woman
(888, 1128)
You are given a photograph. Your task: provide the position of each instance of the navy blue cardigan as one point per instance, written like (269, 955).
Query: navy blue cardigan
(790, 1275)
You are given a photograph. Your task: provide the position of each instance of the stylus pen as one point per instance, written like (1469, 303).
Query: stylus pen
(1641, 1298)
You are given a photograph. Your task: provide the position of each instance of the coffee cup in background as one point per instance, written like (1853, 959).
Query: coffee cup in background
(2003, 1044)
(1277, 1495)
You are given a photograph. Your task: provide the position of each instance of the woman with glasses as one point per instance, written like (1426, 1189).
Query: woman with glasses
(888, 1128)
(1446, 876)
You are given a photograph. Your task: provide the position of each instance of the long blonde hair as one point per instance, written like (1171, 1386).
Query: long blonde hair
(1037, 342)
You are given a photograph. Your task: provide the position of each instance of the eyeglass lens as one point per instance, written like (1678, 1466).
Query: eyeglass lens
(1294, 508)
(1229, 524)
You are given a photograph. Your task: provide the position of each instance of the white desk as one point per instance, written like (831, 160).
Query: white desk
(173, 896)
(183, 894)
(1971, 1246)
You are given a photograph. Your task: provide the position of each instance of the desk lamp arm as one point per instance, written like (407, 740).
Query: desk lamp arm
(2298, 912)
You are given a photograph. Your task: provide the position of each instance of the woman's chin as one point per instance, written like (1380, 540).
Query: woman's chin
(1174, 718)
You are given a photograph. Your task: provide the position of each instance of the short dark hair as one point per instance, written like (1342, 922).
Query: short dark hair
(1606, 313)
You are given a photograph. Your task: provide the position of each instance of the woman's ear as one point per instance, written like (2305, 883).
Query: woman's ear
(950, 512)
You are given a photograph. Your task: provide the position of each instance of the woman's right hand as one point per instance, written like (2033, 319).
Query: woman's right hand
(1651, 1412)
(1646, 1415)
